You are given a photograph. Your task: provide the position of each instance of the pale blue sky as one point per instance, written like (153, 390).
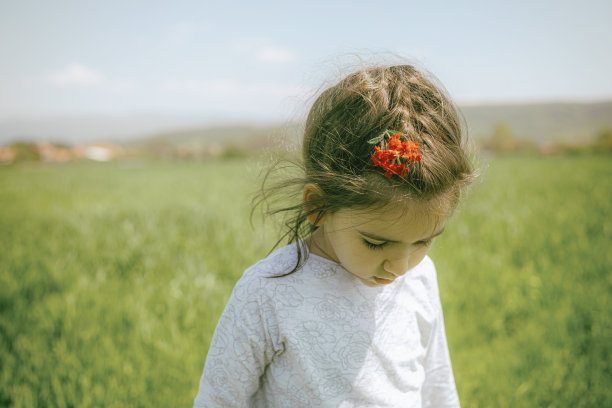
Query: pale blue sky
(262, 59)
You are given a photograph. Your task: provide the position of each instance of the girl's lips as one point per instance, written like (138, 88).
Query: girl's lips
(382, 281)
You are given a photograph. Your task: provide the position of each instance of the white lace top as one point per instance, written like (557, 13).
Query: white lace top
(321, 338)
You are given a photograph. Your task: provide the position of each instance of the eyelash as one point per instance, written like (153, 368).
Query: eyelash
(381, 246)
(425, 243)
(374, 246)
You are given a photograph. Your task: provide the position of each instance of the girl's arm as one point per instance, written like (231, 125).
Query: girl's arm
(242, 346)
(439, 389)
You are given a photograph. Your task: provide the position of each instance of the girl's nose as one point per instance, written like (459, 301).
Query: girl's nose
(397, 267)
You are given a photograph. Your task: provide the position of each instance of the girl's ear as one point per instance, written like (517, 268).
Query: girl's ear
(311, 200)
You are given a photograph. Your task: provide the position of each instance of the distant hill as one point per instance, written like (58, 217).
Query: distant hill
(246, 136)
(83, 129)
(539, 122)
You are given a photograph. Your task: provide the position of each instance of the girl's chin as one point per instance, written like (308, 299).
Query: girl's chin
(375, 282)
(381, 281)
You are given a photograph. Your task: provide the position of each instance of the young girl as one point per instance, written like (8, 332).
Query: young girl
(348, 314)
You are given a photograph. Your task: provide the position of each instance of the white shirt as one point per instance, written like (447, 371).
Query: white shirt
(321, 338)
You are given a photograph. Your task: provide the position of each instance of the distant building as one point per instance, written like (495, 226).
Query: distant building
(53, 154)
(7, 154)
(97, 152)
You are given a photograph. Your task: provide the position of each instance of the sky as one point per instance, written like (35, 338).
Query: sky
(266, 59)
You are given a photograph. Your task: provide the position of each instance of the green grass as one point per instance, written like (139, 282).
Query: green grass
(525, 275)
(113, 277)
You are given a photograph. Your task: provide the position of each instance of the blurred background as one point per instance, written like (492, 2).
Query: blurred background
(133, 135)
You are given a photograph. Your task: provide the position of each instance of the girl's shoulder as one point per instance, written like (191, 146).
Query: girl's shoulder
(282, 262)
(278, 263)
(426, 270)
(263, 276)
(272, 275)
(422, 282)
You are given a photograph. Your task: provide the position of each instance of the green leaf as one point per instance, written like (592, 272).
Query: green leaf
(377, 139)
(387, 134)
(403, 136)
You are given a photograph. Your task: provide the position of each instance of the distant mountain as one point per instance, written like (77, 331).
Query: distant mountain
(539, 122)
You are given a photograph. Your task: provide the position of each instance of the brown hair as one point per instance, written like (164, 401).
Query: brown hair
(336, 155)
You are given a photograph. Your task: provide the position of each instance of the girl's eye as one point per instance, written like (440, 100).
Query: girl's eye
(372, 245)
(425, 243)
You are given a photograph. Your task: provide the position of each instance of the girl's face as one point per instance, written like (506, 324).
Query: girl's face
(380, 245)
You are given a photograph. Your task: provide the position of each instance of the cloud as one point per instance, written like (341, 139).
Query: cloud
(194, 86)
(252, 99)
(274, 89)
(264, 52)
(78, 75)
(75, 74)
(229, 87)
(274, 55)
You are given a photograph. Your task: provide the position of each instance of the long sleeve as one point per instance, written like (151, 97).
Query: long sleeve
(320, 337)
(243, 344)
(439, 388)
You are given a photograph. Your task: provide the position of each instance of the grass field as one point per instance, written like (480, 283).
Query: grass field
(113, 277)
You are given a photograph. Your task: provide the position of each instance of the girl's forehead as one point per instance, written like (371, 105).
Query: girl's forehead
(394, 219)
(409, 211)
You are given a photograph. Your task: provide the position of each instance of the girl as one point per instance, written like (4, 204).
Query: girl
(348, 314)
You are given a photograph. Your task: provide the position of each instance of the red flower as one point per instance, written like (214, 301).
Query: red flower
(394, 142)
(398, 154)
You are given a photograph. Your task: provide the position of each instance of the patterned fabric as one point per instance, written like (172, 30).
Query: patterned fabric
(321, 338)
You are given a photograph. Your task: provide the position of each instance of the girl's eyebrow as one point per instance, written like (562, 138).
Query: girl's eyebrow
(391, 241)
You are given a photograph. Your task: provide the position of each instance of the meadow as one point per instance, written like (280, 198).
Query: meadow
(113, 276)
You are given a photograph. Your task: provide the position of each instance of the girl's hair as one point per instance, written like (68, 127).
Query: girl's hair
(336, 155)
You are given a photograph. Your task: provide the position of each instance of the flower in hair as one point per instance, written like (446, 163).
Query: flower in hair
(397, 154)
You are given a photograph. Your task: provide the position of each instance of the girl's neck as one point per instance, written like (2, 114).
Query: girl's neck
(317, 245)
